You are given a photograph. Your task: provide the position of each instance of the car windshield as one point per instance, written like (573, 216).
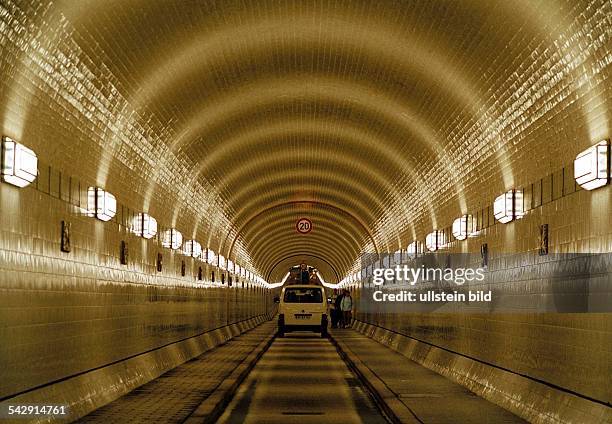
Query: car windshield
(303, 295)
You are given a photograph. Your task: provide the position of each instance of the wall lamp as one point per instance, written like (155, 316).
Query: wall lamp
(211, 257)
(101, 204)
(192, 248)
(592, 166)
(463, 227)
(144, 225)
(172, 239)
(19, 164)
(509, 206)
(435, 240)
(414, 249)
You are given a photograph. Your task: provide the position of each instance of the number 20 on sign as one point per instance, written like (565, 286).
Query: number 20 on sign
(303, 225)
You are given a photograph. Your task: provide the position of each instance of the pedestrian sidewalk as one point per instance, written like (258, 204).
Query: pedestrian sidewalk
(174, 396)
(422, 393)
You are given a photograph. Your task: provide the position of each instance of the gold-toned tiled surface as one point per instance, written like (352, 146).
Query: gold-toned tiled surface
(230, 120)
(559, 326)
(66, 313)
(85, 392)
(429, 396)
(528, 398)
(172, 397)
(404, 114)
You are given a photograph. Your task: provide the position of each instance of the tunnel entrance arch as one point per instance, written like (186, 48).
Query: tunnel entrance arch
(303, 255)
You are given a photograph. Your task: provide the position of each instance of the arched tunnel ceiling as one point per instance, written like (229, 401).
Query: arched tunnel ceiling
(377, 120)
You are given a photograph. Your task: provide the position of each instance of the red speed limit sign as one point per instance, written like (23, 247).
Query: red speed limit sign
(303, 225)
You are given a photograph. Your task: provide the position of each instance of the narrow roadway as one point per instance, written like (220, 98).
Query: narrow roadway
(301, 379)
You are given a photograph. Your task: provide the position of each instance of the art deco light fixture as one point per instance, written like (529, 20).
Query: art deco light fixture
(509, 206)
(144, 225)
(19, 164)
(101, 204)
(592, 166)
(463, 227)
(211, 257)
(192, 248)
(414, 249)
(172, 239)
(435, 240)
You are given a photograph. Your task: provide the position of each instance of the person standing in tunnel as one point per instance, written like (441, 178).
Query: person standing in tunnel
(337, 303)
(333, 311)
(304, 274)
(346, 306)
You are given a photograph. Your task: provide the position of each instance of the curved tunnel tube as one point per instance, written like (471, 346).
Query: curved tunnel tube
(379, 123)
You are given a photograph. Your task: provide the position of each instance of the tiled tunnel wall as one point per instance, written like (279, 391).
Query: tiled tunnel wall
(66, 313)
(545, 341)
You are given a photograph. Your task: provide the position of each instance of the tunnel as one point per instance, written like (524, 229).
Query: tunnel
(305, 211)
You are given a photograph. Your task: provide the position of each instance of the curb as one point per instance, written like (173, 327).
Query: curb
(89, 390)
(214, 405)
(535, 402)
(385, 399)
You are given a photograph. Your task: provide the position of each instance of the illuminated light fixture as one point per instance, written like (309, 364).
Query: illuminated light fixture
(211, 257)
(414, 249)
(19, 164)
(592, 166)
(435, 240)
(172, 239)
(463, 227)
(397, 257)
(387, 261)
(509, 206)
(192, 248)
(101, 204)
(144, 225)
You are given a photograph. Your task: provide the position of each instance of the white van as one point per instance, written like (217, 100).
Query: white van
(302, 308)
